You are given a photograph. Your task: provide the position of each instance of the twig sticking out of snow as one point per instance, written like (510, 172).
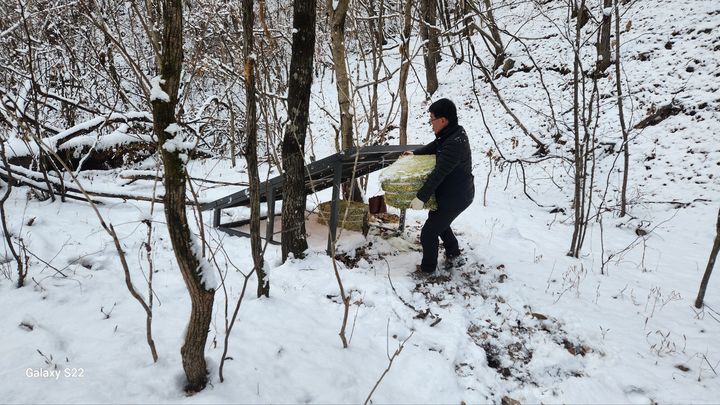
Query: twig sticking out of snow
(391, 359)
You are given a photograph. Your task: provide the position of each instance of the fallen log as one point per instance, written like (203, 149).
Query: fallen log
(100, 143)
(660, 115)
(91, 157)
(150, 175)
(35, 179)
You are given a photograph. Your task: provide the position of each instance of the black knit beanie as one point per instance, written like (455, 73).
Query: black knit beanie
(444, 108)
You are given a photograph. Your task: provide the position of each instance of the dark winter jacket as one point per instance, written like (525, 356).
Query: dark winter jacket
(451, 180)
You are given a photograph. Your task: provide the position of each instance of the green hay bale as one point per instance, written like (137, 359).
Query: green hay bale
(409, 167)
(403, 179)
(352, 215)
(402, 200)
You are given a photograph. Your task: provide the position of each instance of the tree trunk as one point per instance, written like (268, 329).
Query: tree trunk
(21, 270)
(603, 45)
(447, 25)
(581, 12)
(495, 33)
(251, 154)
(623, 127)
(377, 63)
(431, 49)
(201, 296)
(303, 48)
(405, 69)
(338, 16)
(710, 265)
(580, 175)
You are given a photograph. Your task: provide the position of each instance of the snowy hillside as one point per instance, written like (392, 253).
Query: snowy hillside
(519, 321)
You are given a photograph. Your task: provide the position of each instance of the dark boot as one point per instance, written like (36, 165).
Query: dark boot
(420, 272)
(455, 261)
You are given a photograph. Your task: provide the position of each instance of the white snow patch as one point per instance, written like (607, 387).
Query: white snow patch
(177, 144)
(173, 128)
(205, 269)
(156, 92)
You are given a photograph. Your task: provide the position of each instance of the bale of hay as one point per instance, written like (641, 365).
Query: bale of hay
(403, 179)
(352, 215)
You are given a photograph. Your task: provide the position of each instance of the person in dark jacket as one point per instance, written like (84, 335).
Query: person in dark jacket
(451, 181)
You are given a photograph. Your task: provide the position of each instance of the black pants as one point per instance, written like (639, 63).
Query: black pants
(438, 225)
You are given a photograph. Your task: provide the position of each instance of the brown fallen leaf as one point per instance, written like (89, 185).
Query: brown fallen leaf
(506, 400)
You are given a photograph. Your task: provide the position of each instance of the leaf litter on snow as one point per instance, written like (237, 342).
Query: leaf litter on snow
(517, 344)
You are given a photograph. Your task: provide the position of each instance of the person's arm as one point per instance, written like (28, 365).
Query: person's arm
(445, 163)
(428, 149)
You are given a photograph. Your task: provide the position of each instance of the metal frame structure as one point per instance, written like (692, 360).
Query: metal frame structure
(331, 171)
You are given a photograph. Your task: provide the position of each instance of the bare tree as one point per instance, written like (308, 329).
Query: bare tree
(251, 154)
(164, 99)
(621, 114)
(20, 260)
(431, 50)
(376, 23)
(603, 44)
(497, 48)
(710, 265)
(337, 11)
(405, 69)
(579, 193)
(584, 148)
(294, 239)
(338, 16)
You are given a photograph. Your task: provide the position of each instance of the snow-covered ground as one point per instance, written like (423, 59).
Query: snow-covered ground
(520, 319)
